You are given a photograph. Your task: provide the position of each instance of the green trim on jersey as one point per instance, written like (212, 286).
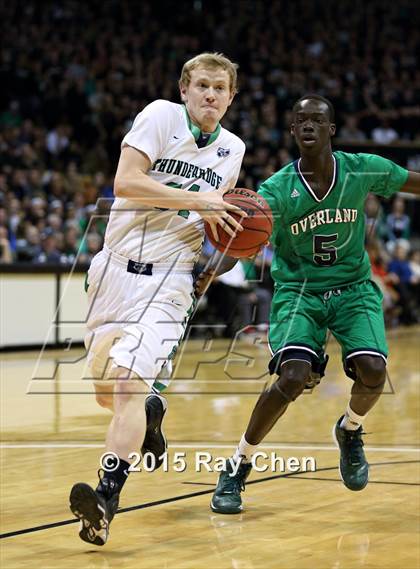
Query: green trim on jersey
(162, 385)
(319, 243)
(196, 132)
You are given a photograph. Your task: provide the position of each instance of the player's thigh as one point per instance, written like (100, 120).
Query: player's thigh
(358, 321)
(155, 329)
(297, 320)
(98, 343)
(106, 290)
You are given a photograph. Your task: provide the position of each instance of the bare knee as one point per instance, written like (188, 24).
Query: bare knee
(371, 370)
(104, 393)
(105, 400)
(293, 378)
(129, 388)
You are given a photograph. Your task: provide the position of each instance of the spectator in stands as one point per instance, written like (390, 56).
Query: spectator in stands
(28, 249)
(400, 267)
(350, 130)
(94, 245)
(5, 249)
(397, 222)
(57, 140)
(415, 270)
(71, 245)
(55, 222)
(49, 250)
(37, 210)
(4, 221)
(375, 226)
(399, 264)
(385, 280)
(15, 215)
(384, 133)
(415, 265)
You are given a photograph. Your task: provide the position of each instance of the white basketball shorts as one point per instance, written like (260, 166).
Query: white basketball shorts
(136, 321)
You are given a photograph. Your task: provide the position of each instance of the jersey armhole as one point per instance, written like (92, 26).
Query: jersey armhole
(125, 145)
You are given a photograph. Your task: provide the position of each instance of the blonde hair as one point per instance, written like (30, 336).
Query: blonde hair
(210, 61)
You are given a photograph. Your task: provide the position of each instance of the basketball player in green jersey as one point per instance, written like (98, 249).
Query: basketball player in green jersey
(322, 281)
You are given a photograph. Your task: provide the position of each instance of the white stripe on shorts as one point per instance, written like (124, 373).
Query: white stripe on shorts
(303, 348)
(368, 352)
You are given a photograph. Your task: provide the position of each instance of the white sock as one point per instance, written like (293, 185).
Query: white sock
(351, 420)
(244, 451)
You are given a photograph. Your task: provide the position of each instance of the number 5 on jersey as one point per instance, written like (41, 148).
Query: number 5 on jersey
(324, 253)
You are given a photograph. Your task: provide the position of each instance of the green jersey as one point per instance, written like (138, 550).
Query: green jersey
(319, 243)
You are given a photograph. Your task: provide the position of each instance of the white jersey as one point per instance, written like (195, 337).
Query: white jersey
(164, 133)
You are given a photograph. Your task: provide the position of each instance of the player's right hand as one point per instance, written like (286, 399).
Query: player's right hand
(215, 211)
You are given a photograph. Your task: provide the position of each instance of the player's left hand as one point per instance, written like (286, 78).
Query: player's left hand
(203, 282)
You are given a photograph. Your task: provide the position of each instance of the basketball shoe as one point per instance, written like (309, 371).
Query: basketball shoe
(354, 468)
(95, 509)
(154, 440)
(227, 496)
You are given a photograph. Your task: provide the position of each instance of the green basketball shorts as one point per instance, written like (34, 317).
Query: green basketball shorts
(300, 319)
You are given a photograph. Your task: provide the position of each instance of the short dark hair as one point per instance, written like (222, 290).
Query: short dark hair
(316, 97)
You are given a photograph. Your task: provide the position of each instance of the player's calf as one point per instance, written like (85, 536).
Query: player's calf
(273, 402)
(370, 379)
(128, 426)
(370, 375)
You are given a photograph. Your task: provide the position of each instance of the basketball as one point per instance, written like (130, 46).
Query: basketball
(257, 226)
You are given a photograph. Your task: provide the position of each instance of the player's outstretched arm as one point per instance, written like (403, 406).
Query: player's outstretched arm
(132, 182)
(412, 185)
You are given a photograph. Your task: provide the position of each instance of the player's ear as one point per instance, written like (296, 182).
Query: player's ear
(332, 129)
(183, 92)
(292, 129)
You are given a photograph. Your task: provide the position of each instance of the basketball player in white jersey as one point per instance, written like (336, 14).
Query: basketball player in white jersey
(176, 163)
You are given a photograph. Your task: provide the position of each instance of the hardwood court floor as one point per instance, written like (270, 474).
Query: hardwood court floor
(52, 436)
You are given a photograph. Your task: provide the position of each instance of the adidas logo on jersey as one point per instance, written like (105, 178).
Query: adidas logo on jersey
(295, 194)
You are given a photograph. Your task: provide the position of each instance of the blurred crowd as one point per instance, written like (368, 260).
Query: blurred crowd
(395, 260)
(74, 75)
